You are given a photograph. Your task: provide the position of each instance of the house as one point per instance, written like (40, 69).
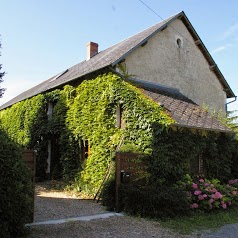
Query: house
(167, 61)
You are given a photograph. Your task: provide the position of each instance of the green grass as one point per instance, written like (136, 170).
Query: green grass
(200, 222)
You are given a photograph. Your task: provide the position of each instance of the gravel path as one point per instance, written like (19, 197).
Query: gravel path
(58, 205)
(51, 204)
(123, 227)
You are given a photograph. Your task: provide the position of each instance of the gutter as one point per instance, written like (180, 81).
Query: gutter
(231, 102)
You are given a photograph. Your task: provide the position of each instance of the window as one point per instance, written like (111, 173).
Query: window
(120, 123)
(197, 166)
(118, 116)
(85, 149)
(179, 42)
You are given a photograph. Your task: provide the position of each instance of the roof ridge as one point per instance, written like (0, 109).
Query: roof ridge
(165, 20)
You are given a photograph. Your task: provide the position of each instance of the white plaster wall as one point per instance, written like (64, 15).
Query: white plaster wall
(184, 68)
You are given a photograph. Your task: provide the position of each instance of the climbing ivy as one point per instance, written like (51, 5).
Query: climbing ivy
(92, 117)
(87, 112)
(20, 120)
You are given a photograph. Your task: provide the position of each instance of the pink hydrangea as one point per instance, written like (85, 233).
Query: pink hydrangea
(195, 186)
(194, 205)
(200, 197)
(234, 192)
(232, 181)
(224, 206)
(217, 195)
(197, 192)
(213, 190)
(211, 200)
(201, 180)
(206, 184)
(204, 195)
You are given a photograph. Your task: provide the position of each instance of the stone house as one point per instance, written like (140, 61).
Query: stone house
(168, 61)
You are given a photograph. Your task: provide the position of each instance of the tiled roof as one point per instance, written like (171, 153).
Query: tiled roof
(185, 112)
(113, 55)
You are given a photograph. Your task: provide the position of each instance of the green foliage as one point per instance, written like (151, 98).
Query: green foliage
(129, 147)
(198, 222)
(232, 121)
(92, 117)
(108, 194)
(175, 152)
(229, 119)
(20, 120)
(154, 201)
(26, 124)
(16, 190)
(68, 146)
(220, 155)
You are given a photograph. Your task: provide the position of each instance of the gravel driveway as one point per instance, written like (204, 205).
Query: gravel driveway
(58, 205)
(53, 204)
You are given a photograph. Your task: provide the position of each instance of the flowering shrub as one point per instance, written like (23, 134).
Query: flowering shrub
(204, 194)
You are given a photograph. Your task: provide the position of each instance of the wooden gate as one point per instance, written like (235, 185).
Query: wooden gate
(29, 157)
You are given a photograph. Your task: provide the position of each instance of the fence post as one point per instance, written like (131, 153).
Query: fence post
(29, 158)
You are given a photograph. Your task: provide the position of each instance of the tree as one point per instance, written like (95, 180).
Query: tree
(1, 76)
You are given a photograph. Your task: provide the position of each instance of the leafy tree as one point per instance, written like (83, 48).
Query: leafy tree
(1, 76)
(230, 119)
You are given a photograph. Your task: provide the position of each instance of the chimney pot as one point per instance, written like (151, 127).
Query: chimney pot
(92, 49)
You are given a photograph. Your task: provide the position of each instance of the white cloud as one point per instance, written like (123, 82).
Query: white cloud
(221, 48)
(230, 31)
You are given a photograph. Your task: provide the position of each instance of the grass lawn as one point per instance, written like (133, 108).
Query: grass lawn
(205, 221)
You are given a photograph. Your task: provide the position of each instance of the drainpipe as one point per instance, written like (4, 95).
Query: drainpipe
(230, 102)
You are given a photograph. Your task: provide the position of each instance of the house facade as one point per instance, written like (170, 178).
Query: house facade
(172, 58)
(167, 63)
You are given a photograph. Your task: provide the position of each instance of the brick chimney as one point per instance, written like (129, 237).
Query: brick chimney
(92, 49)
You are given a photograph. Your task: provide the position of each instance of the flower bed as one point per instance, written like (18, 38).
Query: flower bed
(204, 194)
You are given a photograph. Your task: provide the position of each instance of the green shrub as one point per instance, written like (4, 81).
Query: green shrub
(154, 201)
(16, 190)
(108, 195)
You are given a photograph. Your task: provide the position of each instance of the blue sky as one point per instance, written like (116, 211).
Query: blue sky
(43, 38)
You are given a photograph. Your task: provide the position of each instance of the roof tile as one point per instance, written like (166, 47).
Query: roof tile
(186, 114)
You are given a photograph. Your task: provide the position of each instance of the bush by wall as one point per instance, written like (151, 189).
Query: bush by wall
(207, 195)
(16, 190)
(108, 194)
(25, 123)
(154, 201)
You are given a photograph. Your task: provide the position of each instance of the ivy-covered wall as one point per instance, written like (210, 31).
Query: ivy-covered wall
(88, 113)
(91, 116)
